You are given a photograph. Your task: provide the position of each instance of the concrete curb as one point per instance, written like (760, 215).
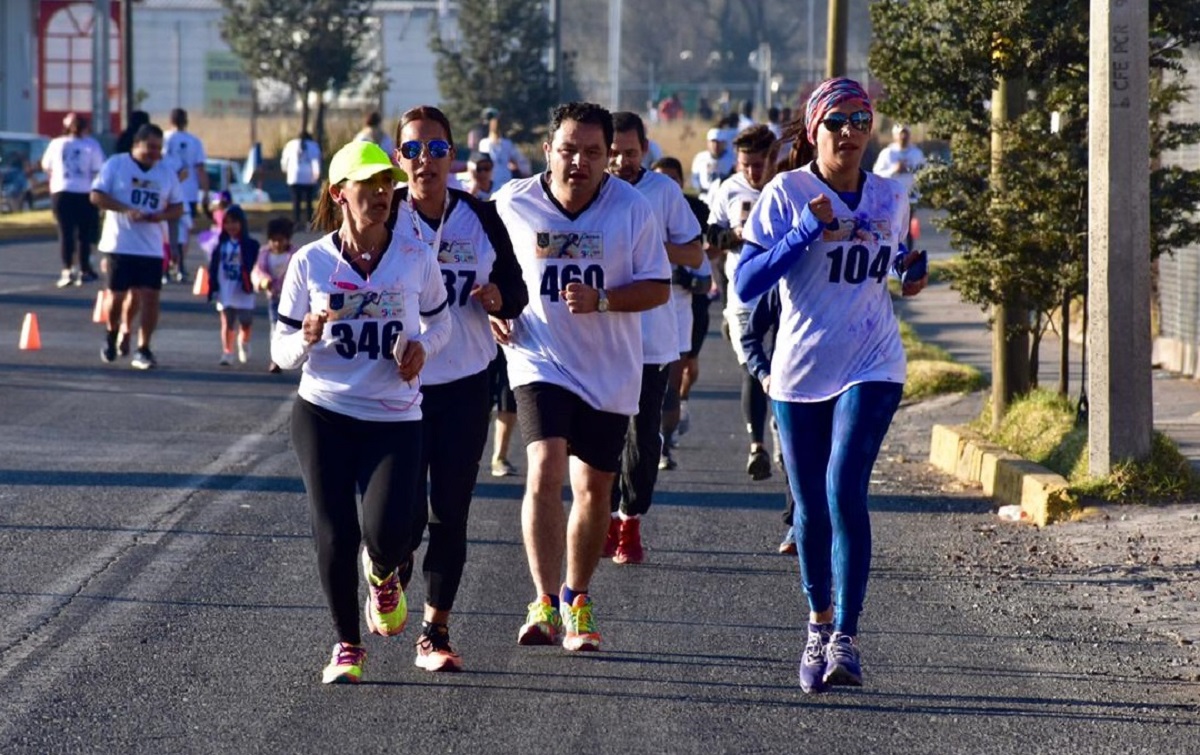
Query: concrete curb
(1005, 477)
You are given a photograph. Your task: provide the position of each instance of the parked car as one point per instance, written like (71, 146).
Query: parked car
(226, 175)
(25, 186)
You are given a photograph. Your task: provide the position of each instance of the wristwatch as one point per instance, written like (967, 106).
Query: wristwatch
(602, 303)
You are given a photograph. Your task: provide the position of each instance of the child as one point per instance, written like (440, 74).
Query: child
(231, 260)
(268, 273)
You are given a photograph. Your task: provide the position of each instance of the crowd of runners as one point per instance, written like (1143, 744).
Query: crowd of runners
(430, 299)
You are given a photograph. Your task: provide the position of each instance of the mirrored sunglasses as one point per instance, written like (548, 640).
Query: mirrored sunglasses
(438, 148)
(859, 121)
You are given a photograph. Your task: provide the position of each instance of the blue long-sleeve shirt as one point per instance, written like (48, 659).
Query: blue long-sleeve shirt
(764, 321)
(759, 269)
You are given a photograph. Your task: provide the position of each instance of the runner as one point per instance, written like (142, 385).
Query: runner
(361, 309)
(73, 161)
(482, 278)
(633, 491)
(731, 206)
(590, 248)
(187, 153)
(140, 193)
(829, 233)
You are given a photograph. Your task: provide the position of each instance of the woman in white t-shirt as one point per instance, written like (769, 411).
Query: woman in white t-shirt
(361, 309)
(829, 233)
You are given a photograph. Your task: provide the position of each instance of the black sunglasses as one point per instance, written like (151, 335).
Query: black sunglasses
(859, 121)
(438, 148)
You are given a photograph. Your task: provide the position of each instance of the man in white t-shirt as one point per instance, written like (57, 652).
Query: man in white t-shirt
(593, 258)
(713, 164)
(730, 207)
(661, 339)
(73, 161)
(187, 151)
(901, 160)
(301, 163)
(139, 193)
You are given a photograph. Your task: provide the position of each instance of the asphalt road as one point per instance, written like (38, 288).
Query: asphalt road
(158, 590)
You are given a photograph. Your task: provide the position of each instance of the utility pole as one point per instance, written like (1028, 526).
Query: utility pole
(614, 54)
(1120, 395)
(1010, 337)
(556, 54)
(127, 59)
(100, 55)
(835, 46)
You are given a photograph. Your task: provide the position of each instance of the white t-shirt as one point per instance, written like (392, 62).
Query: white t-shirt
(73, 163)
(188, 152)
(501, 151)
(708, 169)
(229, 278)
(612, 242)
(660, 331)
(730, 207)
(465, 257)
(837, 327)
(351, 370)
(901, 164)
(152, 190)
(301, 162)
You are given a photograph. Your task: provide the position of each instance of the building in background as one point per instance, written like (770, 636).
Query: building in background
(180, 60)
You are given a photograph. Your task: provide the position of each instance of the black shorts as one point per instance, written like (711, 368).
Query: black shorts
(545, 411)
(700, 322)
(126, 271)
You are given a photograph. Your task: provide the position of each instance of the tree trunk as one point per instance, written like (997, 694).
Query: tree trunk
(304, 110)
(319, 126)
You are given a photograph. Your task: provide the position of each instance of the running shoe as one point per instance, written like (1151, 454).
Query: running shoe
(109, 353)
(629, 543)
(813, 661)
(788, 546)
(243, 352)
(685, 419)
(124, 344)
(503, 468)
(434, 652)
(143, 360)
(580, 627)
(387, 608)
(614, 535)
(273, 368)
(346, 665)
(665, 462)
(843, 662)
(66, 279)
(226, 359)
(87, 276)
(543, 624)
(758, 465)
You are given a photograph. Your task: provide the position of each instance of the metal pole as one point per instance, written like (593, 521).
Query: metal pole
(835, 53)
(614, 53)
(556, 54)
(127, 58)
(100, 54)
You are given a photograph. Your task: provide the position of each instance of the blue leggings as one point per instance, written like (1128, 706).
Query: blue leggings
(829, 448)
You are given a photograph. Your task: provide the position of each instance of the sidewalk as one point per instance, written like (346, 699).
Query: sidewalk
(939, 316)
(1140, 565)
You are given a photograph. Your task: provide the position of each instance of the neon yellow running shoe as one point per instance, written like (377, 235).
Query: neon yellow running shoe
(346, 665)
(542, 625)
(580, 627)
(387, 608)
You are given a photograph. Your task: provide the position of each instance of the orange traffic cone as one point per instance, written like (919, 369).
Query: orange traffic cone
(201, 286)
(100, 312)
(31, 340)
(914, 229)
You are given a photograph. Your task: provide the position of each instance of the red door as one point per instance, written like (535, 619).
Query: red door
(65, 30)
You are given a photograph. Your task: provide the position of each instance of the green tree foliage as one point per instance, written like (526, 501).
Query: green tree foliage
(308, 45)
(1026, 245)
(498, 60)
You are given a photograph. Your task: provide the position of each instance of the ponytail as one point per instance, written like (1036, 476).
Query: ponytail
(328, 216)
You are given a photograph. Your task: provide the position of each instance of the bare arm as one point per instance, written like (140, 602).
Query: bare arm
(638, 296)
(106, 202)
(690, 254)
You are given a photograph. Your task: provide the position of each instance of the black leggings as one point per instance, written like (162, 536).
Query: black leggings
(340, 458)
(303, 194)
(78, 220)
(633, 490)
(754, 406)
(455, 430)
